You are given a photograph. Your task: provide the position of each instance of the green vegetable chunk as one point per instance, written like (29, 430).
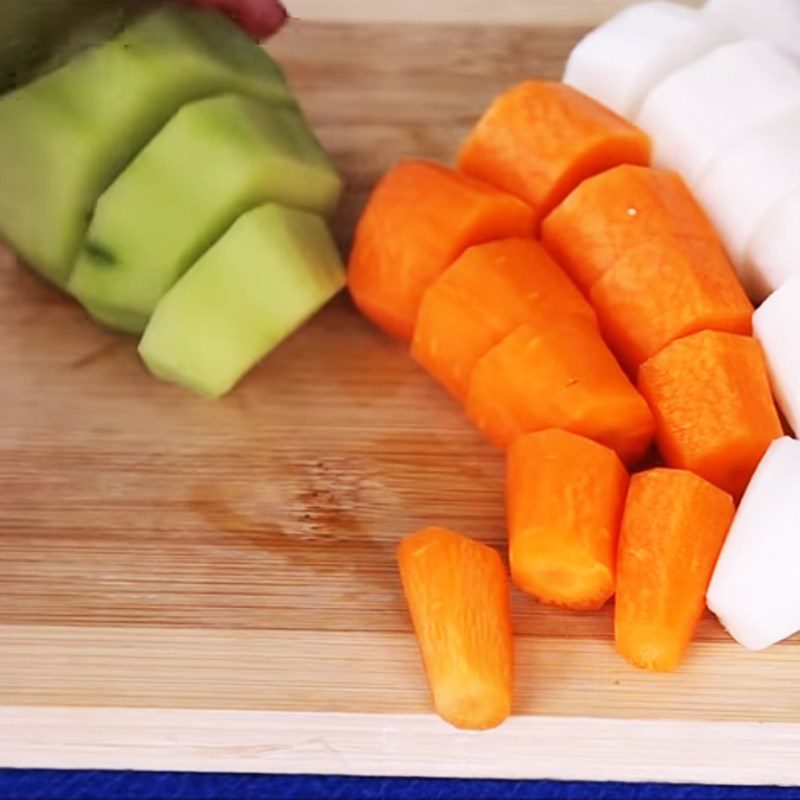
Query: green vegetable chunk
(66, 136)
(267, 275)
(215, 160)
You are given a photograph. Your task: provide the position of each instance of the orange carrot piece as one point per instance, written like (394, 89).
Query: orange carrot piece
(540, 139)
(673, 528)
(558, 373)
(713, 407)
(457, 594)
(487, 293)
(564, 498)
(612, 212)
(419, 219)
(661, 291)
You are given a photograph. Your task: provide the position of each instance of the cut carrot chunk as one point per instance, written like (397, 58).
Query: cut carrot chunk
(486, 294)
(673, 528)
(610, 213)
(714, 411)
(540, 139)
(457, 594)
(558, 373)
(419, 219)
(565, 496)
(661, 291)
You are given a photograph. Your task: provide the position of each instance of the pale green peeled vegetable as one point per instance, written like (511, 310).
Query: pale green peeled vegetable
(268, 274)
(215, 160)
(65, 137)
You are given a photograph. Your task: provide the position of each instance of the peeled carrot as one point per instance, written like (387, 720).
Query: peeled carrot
(610, 213)
(564, 498)
(661, 291)
(457, 594)
(713, 407)
(540, 139)
(419, 219)
(557, 372)
(673, 528)
(487, 293)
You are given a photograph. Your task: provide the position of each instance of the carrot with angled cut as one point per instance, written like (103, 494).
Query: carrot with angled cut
(608, 214)
(564, 500)
(714, 411)
(673, 528)
(540, 139)
(661, 291)
(487, 293)
(418, 220)
(557, 372)
(457, 595)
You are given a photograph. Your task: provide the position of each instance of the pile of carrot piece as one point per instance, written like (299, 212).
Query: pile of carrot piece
(580, 307)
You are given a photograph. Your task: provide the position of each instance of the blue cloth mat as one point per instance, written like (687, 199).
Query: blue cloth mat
(107, 785)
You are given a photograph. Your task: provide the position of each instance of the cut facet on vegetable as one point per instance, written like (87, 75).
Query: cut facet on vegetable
(622, 208)
(699, 108)
(564, 500)
(755, 591)
(619, 62)
(775, 326)
(746, 178)
(713, 406)
(419, 219)
(673, 527)
(482, 297)
(661, 291)
(457, 595)
(65, 137)
(773, 255)
(557, 372)
(777, 21)
(215, 160)
(267, 275)
(540, 139)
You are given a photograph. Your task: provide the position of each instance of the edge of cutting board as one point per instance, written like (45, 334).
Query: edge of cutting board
(396, 745)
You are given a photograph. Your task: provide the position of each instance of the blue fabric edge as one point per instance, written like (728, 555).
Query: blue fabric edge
(120, 785)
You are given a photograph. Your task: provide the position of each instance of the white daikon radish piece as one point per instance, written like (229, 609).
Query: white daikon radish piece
(773, 255)
(755, 590)
(746, 178)
(697, 109)
(619, 62)
(775, 326)
(778, 21)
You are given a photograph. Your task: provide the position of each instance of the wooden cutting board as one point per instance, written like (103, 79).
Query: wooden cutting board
(187, 584)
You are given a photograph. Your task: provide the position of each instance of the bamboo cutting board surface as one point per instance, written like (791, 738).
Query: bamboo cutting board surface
(195, 585)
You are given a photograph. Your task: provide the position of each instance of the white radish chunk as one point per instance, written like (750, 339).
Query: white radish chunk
(696, 110)
(746, 178)
(755, 590)
(778, 21)
(773, 255)
(619, 62)
(775, 326)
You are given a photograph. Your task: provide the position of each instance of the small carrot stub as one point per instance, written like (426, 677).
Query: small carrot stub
(419, 219)
(661, 291)
(673, 528)
(564, 500)
(487, 293)
(609, 214)
(540, 139)
(557, 372)
(457, 594)
(713, 406)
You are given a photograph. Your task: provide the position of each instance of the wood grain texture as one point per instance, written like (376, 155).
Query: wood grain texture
(393, 744)
(171, 554)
